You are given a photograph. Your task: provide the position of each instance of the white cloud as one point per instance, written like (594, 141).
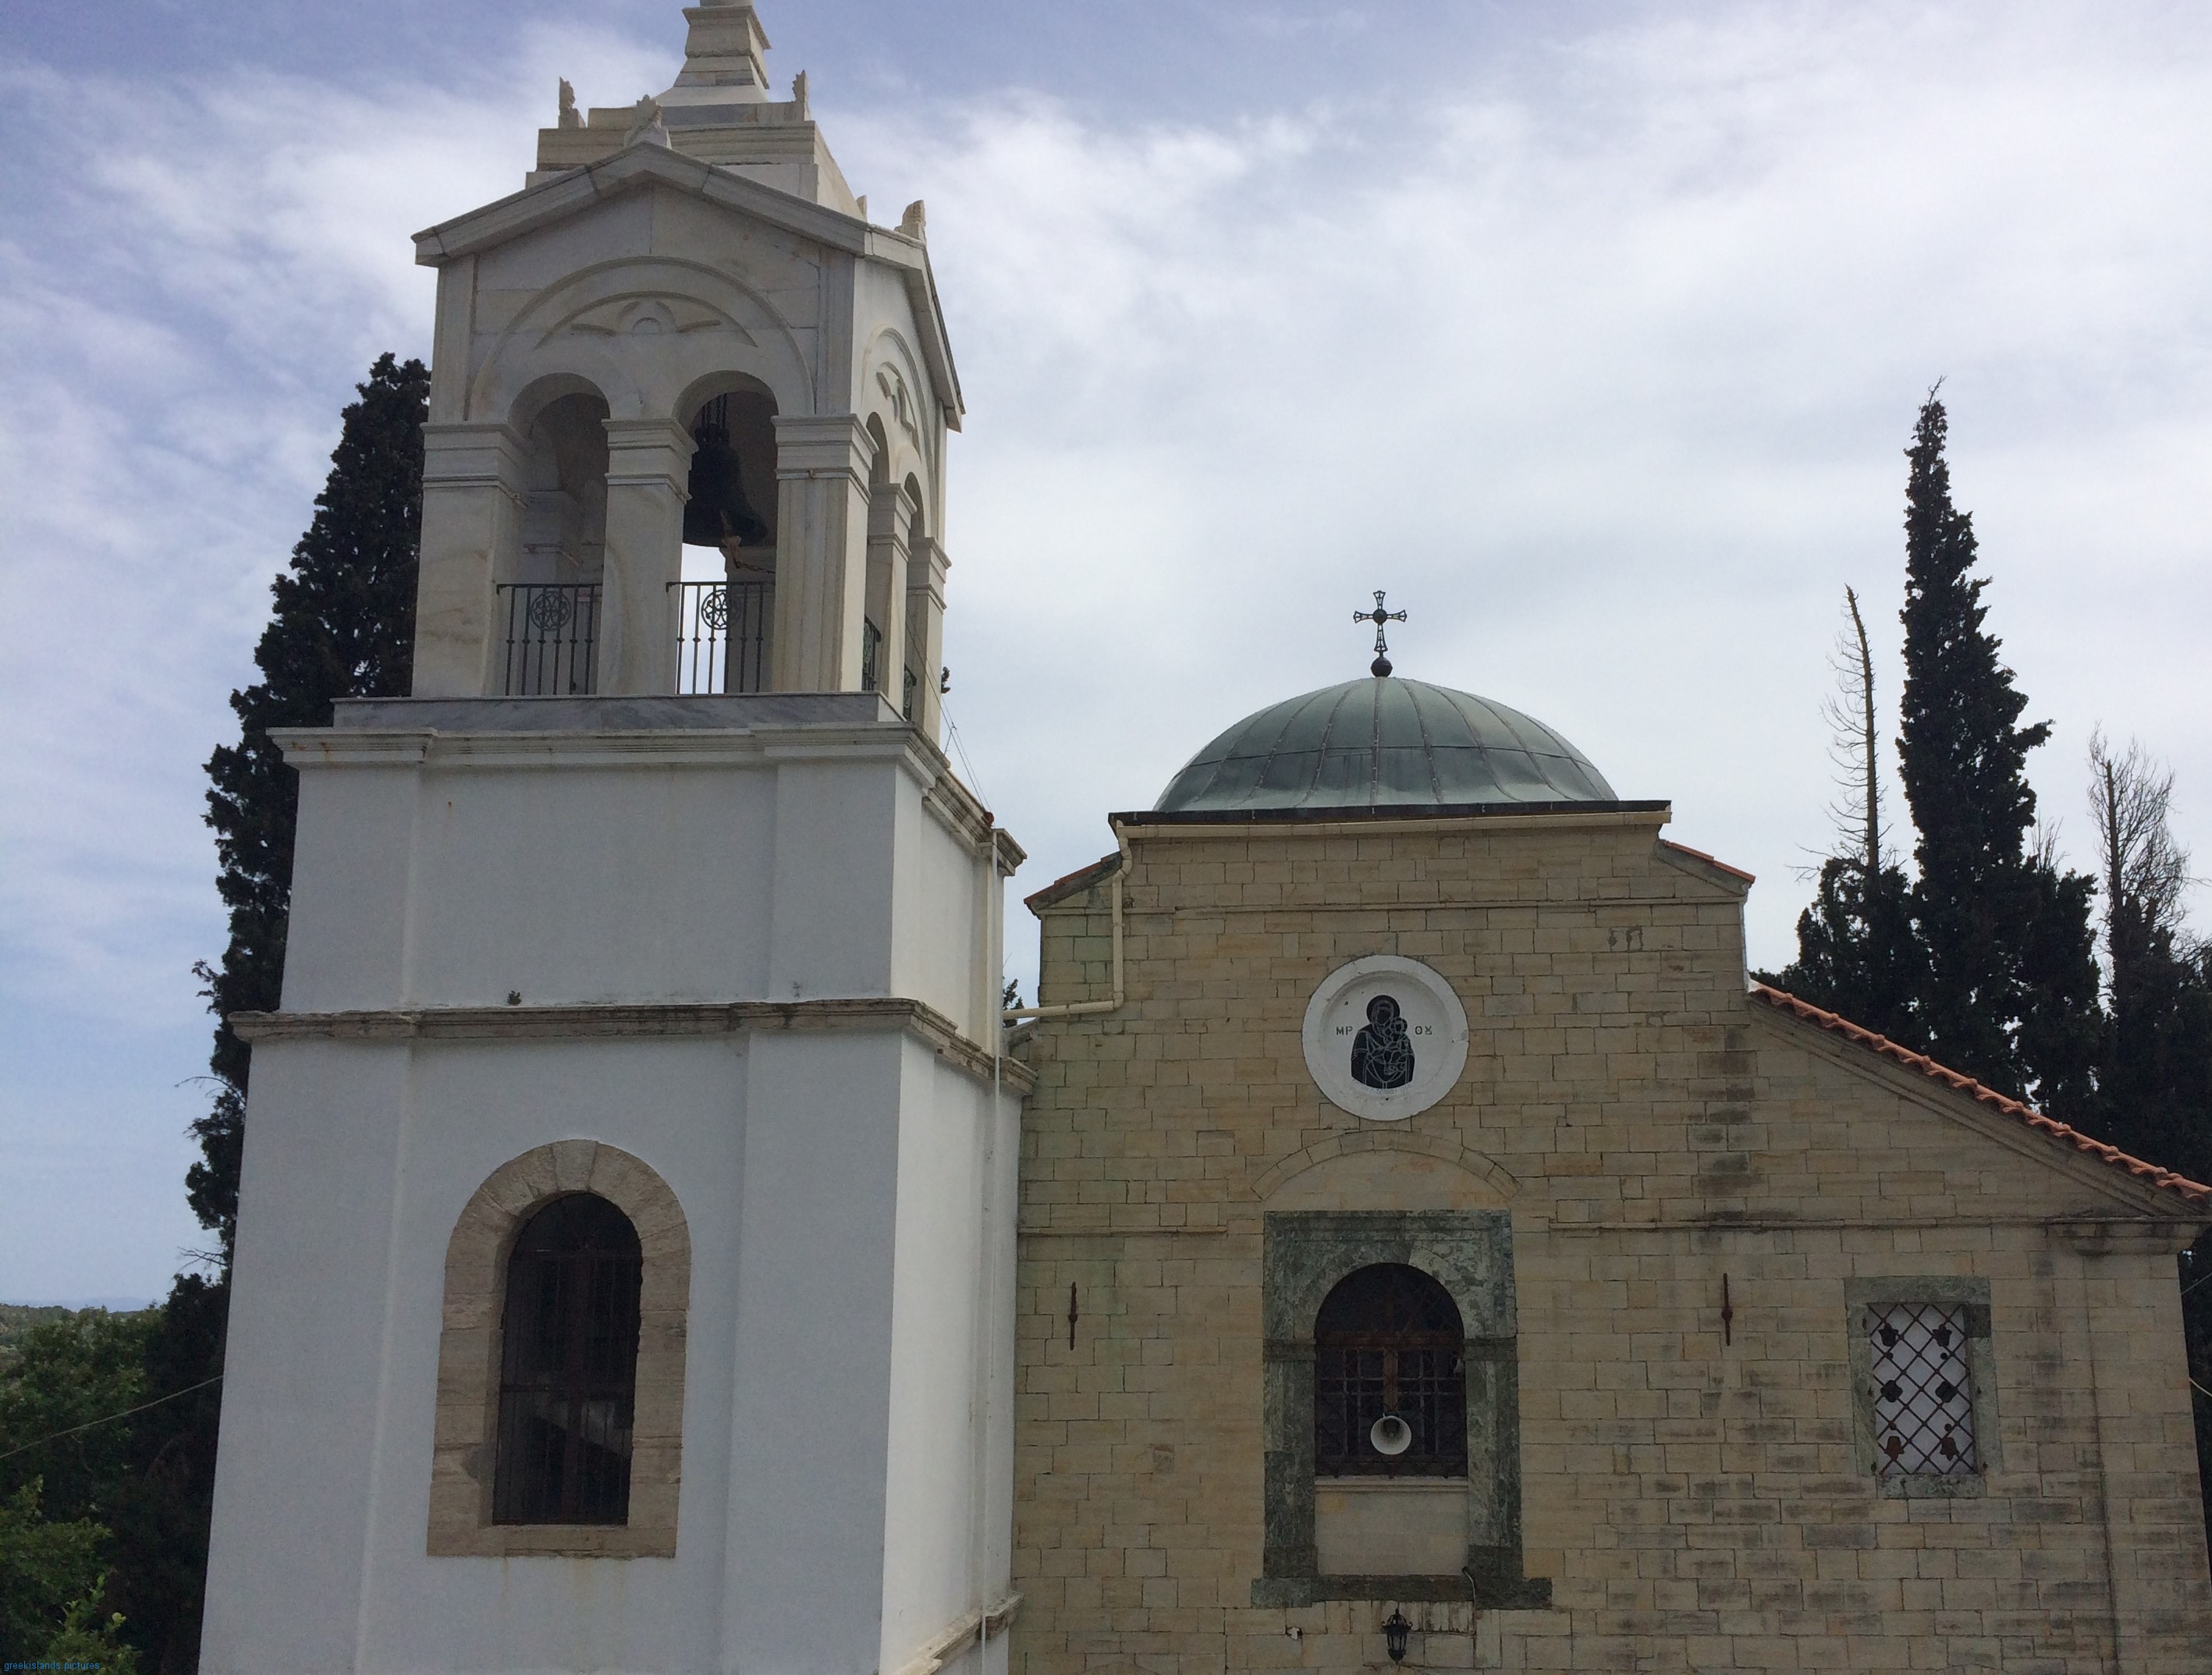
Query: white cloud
(210, 279)
(1605, 372)
(193, 275)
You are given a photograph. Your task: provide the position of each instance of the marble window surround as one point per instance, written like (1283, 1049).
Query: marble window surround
(461, 1523)
(1973, 1293)
(1470, 1253)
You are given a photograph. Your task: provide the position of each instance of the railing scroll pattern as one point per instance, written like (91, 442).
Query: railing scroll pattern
(552, 639)
(722, 636)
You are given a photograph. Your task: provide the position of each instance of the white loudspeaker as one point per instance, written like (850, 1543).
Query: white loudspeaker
(1390, 1435)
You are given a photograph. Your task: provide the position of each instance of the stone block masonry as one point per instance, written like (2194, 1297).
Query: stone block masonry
(1691, 1489)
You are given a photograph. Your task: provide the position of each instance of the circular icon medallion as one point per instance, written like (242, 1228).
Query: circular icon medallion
(1385, 1037)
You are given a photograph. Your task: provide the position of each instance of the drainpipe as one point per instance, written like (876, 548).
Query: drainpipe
(1092, 1008)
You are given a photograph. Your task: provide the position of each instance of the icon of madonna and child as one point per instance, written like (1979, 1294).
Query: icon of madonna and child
(1382, 1051)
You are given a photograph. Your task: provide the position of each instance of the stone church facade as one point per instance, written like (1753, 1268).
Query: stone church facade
(1685, 1208)
(1399, 1235)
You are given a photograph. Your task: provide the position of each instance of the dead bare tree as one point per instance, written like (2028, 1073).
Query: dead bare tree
(2146, 873)
(2156, 1079)
(1856, 744)
(1855, 950)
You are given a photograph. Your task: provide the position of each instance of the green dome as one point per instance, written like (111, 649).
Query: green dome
(1384, 742)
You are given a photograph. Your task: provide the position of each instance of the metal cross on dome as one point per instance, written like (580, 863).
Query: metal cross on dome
(1381, 666)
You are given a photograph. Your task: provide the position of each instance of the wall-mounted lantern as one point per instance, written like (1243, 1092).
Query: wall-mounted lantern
(1395, 1630)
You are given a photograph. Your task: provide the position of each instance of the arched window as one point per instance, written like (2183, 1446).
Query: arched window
(1390, 1377)
(727, 602)
(568, 1367)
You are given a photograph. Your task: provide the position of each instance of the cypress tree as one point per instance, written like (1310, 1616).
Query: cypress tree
(1856, 951)
(2009, 992)
(342, 626)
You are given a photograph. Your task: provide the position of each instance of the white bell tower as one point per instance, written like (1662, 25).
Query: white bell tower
(696, 257)
(625, 1266)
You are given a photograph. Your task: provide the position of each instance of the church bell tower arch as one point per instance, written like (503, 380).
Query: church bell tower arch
(692, 248)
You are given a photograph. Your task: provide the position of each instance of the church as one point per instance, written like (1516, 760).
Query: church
(1400, 1235)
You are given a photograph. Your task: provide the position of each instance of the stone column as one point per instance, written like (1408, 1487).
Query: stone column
(821, 552)
(648, 463)
(890, 520)
(472, 498)
(925, 627)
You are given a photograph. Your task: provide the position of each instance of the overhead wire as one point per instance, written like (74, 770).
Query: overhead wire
(111, 1419)
(953, 727)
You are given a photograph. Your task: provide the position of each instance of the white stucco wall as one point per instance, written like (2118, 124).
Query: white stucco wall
(941, 902)
(360, 1158)
(847, 1369)
(775, 864)
(304, 1360)
(939, 1323)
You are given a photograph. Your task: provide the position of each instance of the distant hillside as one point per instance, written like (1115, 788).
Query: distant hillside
(18, 1317)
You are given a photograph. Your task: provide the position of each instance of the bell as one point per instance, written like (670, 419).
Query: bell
(718, 510)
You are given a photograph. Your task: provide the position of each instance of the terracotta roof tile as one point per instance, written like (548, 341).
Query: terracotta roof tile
(1700, 854)
(2197, 1192)
(1068, 883)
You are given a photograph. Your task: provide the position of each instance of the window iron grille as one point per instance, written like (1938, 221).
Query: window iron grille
(721, 636)
(1388, 1345)
(871, 646)
(568, 1367)
(552, 635)
(1924, 1400)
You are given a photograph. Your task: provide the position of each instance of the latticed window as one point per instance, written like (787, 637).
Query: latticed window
(1924, 1398)
(568, 1367)
(1390, 1377)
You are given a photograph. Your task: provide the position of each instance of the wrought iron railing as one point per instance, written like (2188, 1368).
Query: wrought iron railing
(871, 651)
(722, 636)
(552, 636)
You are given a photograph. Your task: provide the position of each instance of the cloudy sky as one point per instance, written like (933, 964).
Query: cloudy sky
(1592, 333)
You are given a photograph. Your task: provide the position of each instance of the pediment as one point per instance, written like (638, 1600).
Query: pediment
(643, 167)
(645, 313)
(637, 169)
